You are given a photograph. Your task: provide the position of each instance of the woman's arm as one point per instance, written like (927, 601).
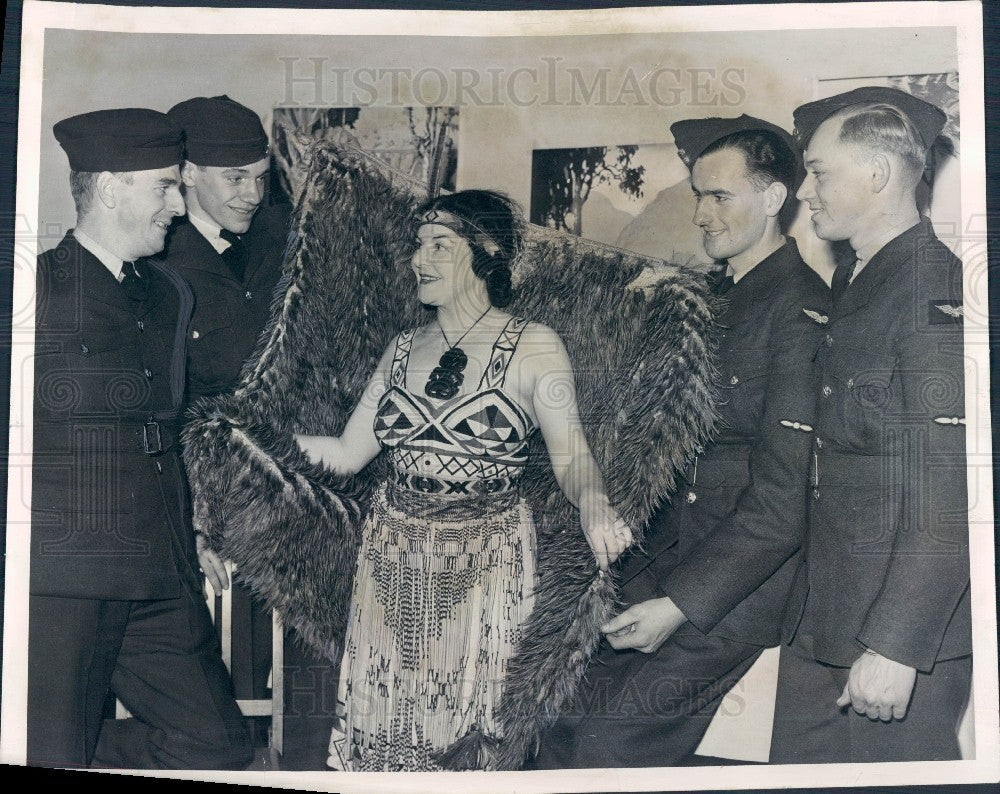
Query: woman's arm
(553, 398)
(355, 448)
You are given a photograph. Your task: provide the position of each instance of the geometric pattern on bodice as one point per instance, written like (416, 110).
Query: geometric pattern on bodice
(470, 436)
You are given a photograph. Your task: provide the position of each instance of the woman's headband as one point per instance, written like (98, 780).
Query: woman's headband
(463, 227)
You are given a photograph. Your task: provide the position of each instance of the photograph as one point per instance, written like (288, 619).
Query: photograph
(578, 399)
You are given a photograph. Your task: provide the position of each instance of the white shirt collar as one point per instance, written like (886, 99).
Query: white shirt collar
(109, 260)
(209, 230)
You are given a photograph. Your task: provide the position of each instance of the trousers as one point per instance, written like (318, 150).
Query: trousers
(634, 709)
(809, 728)
(160, 658)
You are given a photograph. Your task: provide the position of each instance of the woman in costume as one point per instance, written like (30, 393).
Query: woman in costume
(445, 572)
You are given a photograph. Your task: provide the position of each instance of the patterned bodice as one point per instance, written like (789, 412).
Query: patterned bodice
(481, 436)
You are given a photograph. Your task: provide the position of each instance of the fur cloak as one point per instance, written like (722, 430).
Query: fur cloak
(642, 365)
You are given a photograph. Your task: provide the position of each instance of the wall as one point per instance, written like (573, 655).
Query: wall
(769, 74)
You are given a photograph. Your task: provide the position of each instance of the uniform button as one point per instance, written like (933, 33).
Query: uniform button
(141, 325)
(195, 335)
(734, 380)
(692, 497)
(829, 340)
(850, 383)
(827, 391)
(147, 372)
(84, 349)
(819, 443)
(249, 295)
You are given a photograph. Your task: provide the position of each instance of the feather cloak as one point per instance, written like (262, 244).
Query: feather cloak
(645, 382)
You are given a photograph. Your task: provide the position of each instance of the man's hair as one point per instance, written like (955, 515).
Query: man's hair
(81, 187)
(884, 128)
(768, 159)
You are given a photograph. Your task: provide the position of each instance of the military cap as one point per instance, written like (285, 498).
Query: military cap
(694, 136)
(125, 139)
(928, 119)
(219, 131)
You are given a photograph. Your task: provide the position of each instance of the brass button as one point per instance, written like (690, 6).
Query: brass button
(827, 391)
(819, 443)
(147, 372)
(249, 295)
(734, 380)
(195, 335)
(84, 349)
(692, 497)
(850, 383)
(829, 340)
(141, 325)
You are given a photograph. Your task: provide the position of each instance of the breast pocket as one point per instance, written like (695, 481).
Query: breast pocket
(744, 382)
(868, 395)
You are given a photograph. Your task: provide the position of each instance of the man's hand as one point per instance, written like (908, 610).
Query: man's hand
(878, 687)
(211, 565)
(645, 626)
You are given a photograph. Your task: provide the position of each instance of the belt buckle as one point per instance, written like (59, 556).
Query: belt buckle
(151, 432)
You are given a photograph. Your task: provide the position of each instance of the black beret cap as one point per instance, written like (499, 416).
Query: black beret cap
(219, 131)
(927, 118)
(126, 139)
(694, 136)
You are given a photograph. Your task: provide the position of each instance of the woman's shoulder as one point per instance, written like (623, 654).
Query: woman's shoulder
(537, 337)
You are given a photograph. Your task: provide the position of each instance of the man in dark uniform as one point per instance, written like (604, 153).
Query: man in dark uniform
(881, 612)
(115, 597)
(230, 250)
(708, 592)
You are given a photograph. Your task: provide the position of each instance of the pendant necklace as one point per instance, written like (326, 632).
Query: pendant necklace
(447, 377)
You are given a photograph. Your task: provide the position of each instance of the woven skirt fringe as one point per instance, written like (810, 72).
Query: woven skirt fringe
(435, 616)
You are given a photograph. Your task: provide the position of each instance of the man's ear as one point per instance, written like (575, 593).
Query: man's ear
(774, 198)
(881, 170)
(187, 173)
(106, 189)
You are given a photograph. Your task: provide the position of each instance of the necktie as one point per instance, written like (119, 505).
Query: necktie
(235, 256)
(841, 278)
(132, 282)
(723, 285)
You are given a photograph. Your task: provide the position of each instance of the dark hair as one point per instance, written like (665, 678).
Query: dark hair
(486, 220)
(768, 159)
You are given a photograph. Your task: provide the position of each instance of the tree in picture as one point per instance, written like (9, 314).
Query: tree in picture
(563, 179)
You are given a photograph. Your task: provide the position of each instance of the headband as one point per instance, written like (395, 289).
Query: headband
(463, 227)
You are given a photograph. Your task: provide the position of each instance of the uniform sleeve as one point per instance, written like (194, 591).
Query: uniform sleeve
(928, 572)
(768, 522)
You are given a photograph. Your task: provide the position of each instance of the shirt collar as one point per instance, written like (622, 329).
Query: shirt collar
(209, 230)
(109, 260)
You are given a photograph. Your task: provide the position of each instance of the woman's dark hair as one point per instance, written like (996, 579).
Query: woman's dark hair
(493, 226)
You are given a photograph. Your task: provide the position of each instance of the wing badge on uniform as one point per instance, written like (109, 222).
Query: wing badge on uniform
(940, 312)
(950, 420)
(816, 317)
(796, 425)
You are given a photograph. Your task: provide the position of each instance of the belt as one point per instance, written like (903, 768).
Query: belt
(832, 468)
(159, 431)
(422, 483)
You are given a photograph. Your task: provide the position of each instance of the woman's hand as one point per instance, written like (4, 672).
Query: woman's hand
(607, 533)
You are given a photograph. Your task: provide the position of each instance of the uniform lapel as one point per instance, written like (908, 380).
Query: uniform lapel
(758, 285)
(886, 264)
(96, 282)
(191, 245)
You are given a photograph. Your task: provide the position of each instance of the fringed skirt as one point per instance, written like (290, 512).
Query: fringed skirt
(442, 587)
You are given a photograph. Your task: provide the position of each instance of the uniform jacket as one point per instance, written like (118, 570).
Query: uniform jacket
(229, 314)
(108, 518)
(887, 563)
(726, 549)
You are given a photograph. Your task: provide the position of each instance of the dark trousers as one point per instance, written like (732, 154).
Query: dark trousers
(809, 728)
(635, 709)
(160, 658)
